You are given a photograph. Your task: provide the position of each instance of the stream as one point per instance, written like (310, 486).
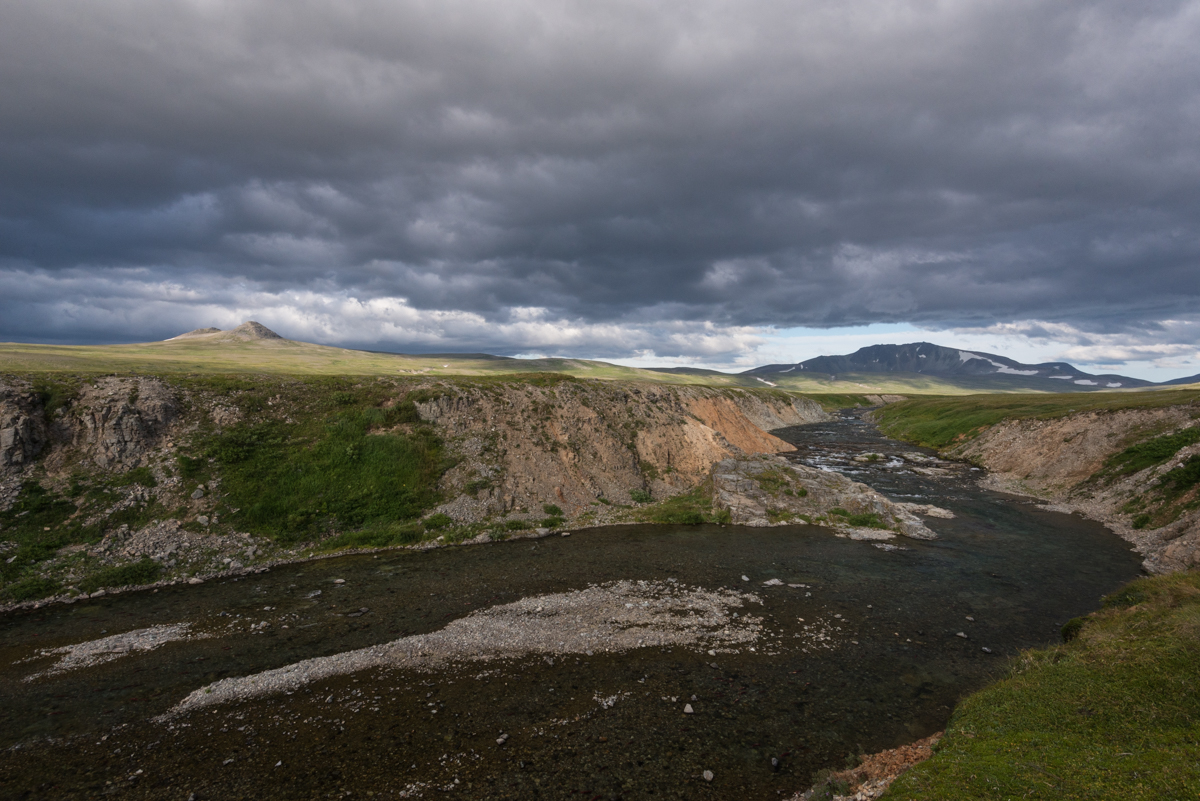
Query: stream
(760, 655)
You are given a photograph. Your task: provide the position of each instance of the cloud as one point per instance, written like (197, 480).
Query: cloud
(671, 177)
(1165, 344)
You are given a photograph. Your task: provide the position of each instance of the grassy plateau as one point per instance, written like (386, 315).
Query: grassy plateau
(939, 422)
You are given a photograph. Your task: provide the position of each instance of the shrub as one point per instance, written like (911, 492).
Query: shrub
(552, 510)
(403, 412)
(438, 521)
(680, 517)
(138, 475)
(143, 572)
(861, 520)
(29, 589)
(395, 534)
(1071, 628)
(1154, 451)
(640, 496)
(189, 467)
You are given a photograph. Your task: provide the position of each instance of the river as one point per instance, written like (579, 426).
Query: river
(846, 647)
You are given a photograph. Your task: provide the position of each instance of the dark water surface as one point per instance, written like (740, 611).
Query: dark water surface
(586, 727)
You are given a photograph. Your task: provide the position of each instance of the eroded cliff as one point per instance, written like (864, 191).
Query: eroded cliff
(1118, 467)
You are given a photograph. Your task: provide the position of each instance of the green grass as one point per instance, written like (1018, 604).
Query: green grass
(831, 402)
(1152, 452)
(30, 589)
(39, 523)
(1113, 714)
(940, 422)
(686, 509)
(138, 475)
(861, 520)
(1183, 478)
(146, 571)
(344, 470)
(42, 521)
(377, 537)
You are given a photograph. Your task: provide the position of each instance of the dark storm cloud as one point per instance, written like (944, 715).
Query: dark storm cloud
(622, 166)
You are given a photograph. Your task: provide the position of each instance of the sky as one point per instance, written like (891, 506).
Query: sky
(708, 183)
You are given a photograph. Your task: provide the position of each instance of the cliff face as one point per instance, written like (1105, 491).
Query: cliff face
(113, 423)
(575, 442)
(1063, 460)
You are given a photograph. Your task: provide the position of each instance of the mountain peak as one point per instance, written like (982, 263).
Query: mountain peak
(246, 332)
(934, 360)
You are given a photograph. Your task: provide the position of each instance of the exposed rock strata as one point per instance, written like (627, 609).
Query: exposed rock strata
(112, 422)
(772, 491)
(22, 426)
(1055, 460)
(569, 444)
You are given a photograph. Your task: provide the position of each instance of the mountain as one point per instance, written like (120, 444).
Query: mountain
(1192, 379)
(965, 367)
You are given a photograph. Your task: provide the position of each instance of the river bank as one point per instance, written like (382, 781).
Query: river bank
(1132, 462)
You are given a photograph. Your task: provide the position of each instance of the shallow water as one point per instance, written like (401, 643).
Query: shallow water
(599, 726)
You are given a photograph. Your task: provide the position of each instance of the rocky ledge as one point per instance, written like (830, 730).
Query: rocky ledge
(772, 491)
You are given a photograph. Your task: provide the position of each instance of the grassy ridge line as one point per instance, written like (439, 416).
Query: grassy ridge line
(1113, 714)
(940, 422)
(288, 357)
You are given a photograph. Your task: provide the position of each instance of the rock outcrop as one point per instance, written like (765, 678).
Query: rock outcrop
(22, 426)
(772, 491)
(112, 423)
(116, 422)
(246, 332)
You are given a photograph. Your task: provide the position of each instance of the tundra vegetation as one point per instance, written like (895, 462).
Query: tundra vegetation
(940, 422)
(1112, 713)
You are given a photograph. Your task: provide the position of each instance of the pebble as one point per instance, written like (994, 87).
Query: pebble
(500, 740)
(970, 618)
(745, 578)
(708, 775)
(198, 494)
(574, 622)
(687, 709)
(339, 581)
(961, 634)
(987, 650)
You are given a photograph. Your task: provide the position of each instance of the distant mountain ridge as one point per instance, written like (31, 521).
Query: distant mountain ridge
(925, 358)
